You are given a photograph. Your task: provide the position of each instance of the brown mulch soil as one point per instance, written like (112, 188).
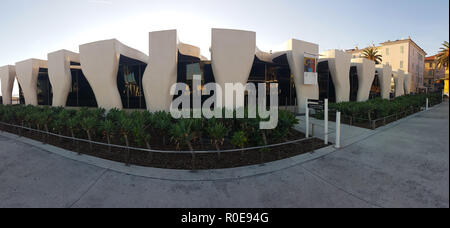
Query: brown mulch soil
(181, 161)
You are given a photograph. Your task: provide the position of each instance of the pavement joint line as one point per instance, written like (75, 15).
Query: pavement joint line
(340, 188)
(89, 188)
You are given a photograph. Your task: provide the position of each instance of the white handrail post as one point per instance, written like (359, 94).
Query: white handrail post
(307, 118)
(338, 130)
(326, 121)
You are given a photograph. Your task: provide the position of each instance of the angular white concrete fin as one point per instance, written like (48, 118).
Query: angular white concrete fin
(100, 64)
(399, 80)
(232, 56)
(296, 55)
(161, 72)
(268, 57)
(27, 75)
(339, 65)
(366, 76)
(60, 75)
(407, 83)
(385, 78)
(7, 77)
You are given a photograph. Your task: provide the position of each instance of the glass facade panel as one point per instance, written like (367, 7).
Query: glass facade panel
(21, 96)
(188, 67)
(354, 83)
(129, 83)
(276, 72)
(326, 85)
(81, 93)
(44, 88)
(375, 90)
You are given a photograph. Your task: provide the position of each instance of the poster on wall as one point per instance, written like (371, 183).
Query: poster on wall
(310, 74)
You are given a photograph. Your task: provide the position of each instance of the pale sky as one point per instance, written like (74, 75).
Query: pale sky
(33, 28)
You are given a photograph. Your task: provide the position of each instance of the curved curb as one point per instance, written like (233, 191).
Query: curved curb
(177, 175)
(200, 175)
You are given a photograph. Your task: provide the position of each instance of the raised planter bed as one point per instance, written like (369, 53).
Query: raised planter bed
(185, 161)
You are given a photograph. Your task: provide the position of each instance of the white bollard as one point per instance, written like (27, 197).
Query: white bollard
(427, 105)
(338, 130)
(307, 119)
(326, 121)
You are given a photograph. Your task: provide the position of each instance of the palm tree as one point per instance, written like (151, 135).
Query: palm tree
(108, 127)
(88, 124)
(442, 57)
(372, 54)
(217, 132)
(181, 132)
(239, 140)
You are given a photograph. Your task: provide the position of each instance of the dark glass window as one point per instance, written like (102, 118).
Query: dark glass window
(326, 85)
(21, 96)
(354, 83)
(375, 90)
(188, 67)
(44, 88)
(262, 72)
(276, 72)
(129, 83)
(81, 93)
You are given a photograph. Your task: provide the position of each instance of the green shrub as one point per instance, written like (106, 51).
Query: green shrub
(379, 108)
(217, 132)
(239, 139)
(181, 132)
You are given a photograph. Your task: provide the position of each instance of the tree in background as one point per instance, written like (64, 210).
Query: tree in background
(372, 54)
(442, 57)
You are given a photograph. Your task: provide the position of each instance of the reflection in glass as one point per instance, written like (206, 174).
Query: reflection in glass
(81, 93)
(326, 85)
(21, 96)
(354, 83)
(129, 83)
(276, 72)
(44, 88)
(190, 67)
(375, 90)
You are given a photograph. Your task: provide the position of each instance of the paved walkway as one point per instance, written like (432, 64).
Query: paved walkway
(405, 164)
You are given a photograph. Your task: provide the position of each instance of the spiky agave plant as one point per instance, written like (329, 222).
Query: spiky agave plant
(60, 122)
(73, 125)
(140, 135)
(108, 128)
(181, 132)
(125, 125)
(88, 124)
(217, 133)
(239, 140)
(162, 124)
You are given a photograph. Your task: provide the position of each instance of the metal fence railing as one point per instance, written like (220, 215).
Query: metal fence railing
(19, 130)
(375, 123)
